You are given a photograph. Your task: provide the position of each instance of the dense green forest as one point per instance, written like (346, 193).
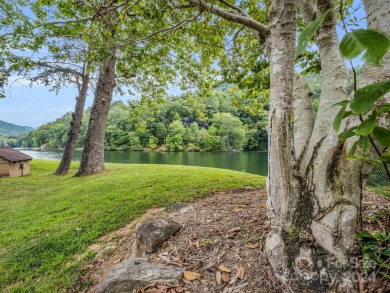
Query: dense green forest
(221, 121)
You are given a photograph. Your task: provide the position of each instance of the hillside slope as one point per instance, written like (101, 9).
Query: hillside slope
(13, 129)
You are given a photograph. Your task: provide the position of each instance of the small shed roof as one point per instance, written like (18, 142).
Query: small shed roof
(13, 155)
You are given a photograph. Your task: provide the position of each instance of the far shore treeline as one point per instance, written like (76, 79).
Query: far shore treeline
(222, 120)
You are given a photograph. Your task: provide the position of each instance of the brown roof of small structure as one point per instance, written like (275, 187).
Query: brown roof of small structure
(13, 155)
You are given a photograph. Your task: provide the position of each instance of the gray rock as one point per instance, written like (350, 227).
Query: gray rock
(105, 252)
(152, 234)
(134, 273)
(180, 206)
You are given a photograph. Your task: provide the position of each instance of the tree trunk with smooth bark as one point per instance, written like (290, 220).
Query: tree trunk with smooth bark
(74, 128)
(92, 160)
(314, 190)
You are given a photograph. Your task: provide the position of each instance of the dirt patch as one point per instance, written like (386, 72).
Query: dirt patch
(374, 212)
(228, 238)
(222, 240)
(226, 228)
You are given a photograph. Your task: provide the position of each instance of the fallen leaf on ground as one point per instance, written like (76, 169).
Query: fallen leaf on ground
(117, 260)
(252, 245)
(222, 268)
(236, 210)
(271, 276)
(225, 277)
(209, 221)
(240, 273)
(151, 285)
(263, 205)
(218, 277)
(191, 276)
(197, 243)
(236, 229)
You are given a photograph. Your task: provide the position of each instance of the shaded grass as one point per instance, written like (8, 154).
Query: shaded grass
(46, 220)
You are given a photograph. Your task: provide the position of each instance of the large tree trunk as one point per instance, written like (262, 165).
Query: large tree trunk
(314, 204)
(282, 184)
(74, 128)
(92, 161)
(378, 18)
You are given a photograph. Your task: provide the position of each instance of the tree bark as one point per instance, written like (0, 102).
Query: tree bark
(282, 185)
(74, 128)
(378, 18)
(314, 206)
(303, 114)
(92, 160)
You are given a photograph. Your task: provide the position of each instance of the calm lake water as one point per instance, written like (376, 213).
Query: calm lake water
(251, 162)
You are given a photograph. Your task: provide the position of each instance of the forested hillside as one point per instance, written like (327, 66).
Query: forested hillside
(9, 133)
(222, 121)
(12, 129)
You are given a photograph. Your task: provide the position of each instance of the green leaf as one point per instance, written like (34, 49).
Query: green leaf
(385, 157)
(383, 109)
(339, 118)
(366, 97)
(364, 143)
(347, 133)
(306, 35)
(381, 192)
(382, 135)
(367, 126)
(347, 114)
(364, 234)
(342, 103)
(353, 149)
(375, 45)
(386, 251)
(365, 159)
(384, 275)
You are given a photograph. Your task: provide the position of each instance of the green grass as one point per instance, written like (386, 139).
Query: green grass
(45, 220)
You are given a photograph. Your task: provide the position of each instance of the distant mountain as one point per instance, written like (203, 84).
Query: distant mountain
(12, 129)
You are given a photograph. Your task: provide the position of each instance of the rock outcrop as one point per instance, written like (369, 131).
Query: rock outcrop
(134, 273)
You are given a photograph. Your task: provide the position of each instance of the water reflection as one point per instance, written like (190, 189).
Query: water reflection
(251, 162)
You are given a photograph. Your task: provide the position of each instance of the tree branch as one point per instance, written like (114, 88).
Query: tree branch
(308, 11)
(244, 20)
(164, 31)
(235, 36)
(238, 9)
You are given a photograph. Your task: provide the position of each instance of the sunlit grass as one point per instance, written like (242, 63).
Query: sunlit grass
(46, 220)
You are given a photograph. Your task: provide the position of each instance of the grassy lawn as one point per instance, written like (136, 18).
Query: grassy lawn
(46, 220)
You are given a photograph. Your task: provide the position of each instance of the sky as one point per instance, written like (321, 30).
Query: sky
(37, 105)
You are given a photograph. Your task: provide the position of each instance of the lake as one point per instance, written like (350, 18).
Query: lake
(251, 162)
